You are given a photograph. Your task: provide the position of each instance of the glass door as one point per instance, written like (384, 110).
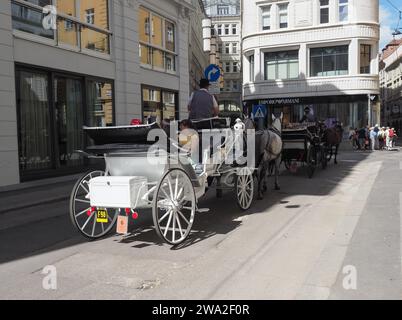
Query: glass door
(35, 148)
(69, 120)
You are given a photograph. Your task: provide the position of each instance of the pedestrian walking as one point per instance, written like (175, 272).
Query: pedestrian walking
(387, 139)
(362, 138)
(373, 138)
(352, 135)
(381, 139)
(391, 137)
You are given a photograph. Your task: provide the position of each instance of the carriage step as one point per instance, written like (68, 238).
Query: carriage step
(203, 210)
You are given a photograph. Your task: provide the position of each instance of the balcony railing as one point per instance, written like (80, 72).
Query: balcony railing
(70, 31)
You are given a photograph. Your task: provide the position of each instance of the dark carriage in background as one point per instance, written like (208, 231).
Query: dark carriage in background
(303, 145)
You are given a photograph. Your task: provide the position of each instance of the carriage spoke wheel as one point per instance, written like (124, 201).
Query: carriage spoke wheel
(174, 206)
(244, 188)
(85, 219)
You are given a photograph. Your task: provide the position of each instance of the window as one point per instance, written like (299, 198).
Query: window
(90, 16)
(329, 61)
(220, 47)
(213, 31)
(227, 48)
(283, 16)
(97, 15)
(223, 10)
(227, 67)
(281, 65)
(235, 85)
(343, 10)
(266, 17)
(29, 20)
(235, 66)
(251, 62)
(234, 29)
(365, 58)
(157, 41)
(324, 11)
(158, 104)
(234, 48)
(50, 125)
(227, 29)
(170, 36)
(219, 29)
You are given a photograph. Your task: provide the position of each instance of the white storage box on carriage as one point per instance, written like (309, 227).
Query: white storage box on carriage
(117, 192)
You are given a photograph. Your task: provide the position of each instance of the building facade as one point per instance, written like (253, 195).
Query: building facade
(226, 30)
(106, 63)
(391, 85)
(321, 54)
(199, 59)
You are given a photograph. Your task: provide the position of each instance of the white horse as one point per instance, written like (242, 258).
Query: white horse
(268, 147)
(270, 151)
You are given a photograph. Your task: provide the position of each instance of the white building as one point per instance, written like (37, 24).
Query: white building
(108, 62)
(226, 28)
(391, 85)
(317, 53)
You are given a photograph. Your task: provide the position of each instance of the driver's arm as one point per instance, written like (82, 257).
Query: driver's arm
(216, 107)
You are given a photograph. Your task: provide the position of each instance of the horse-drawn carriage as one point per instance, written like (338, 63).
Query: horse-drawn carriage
(304, 144)
(140, 175)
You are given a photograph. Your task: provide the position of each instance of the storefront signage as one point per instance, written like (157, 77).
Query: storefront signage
(280, 101)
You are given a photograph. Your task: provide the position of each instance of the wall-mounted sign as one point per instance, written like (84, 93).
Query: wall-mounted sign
(280, 101)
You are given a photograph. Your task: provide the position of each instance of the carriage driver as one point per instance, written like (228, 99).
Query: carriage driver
(202, 104)
(308, 116)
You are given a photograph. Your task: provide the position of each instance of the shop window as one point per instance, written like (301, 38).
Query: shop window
(50, 125)
(158, 105)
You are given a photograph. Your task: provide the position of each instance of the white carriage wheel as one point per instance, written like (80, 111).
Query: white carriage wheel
(244, 188)
(174, 206)
(83, 218)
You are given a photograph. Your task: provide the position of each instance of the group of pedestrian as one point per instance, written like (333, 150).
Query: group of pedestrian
(373, 138)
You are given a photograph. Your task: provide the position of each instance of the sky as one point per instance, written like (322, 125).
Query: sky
(389, 20)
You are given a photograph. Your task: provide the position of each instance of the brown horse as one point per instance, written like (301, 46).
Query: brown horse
(332, 139)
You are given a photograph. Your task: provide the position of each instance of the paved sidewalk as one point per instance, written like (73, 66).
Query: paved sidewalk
(36, 193)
